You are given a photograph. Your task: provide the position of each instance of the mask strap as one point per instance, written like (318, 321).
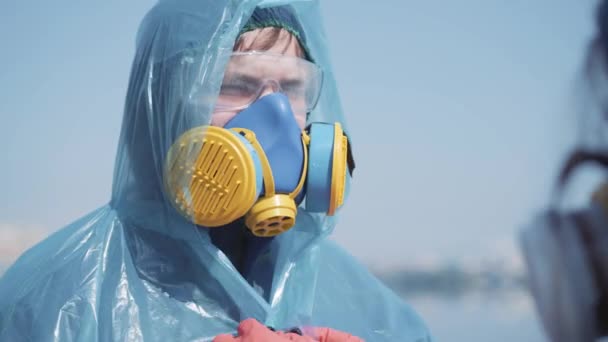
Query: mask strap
(272, 214)
(266, 171)
(339, 165)
(305, 142)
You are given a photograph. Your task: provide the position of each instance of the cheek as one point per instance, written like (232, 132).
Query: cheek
(299, 112)
(301, 120)
(300, 115)
(220, 119)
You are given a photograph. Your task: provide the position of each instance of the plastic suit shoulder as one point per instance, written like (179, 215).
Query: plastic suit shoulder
(49, 289)
(351, 299)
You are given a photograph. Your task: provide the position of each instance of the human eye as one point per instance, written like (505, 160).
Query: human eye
(293, 87)
(238, 86)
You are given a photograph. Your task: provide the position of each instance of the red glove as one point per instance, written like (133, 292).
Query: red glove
(251, 330)
(331, 335)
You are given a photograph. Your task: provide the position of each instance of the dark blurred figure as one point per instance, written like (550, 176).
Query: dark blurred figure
(566, 251)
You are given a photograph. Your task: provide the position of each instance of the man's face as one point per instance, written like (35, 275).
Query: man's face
(260, 75)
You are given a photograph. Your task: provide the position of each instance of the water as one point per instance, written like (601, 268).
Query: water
(497, 317)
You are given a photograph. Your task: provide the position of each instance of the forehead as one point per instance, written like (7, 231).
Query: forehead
(270, 39)
(266, 64)
(280, 48)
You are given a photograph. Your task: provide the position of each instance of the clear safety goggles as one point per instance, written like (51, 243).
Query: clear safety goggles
(250, 75)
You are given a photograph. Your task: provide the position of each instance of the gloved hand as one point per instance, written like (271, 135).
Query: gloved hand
(251, 330)
(331, 335)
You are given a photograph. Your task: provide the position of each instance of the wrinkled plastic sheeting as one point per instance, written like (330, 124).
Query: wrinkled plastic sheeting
(135, 270)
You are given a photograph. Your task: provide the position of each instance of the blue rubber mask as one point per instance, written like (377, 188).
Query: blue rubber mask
(253, 167)
(275, 128)
(256, 167)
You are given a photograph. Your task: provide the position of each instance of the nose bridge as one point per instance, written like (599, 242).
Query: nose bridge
(270, 86)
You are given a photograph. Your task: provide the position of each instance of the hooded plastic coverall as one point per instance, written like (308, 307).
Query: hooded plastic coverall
(135, 270)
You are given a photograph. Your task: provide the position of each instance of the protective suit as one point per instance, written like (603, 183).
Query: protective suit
(137, 270)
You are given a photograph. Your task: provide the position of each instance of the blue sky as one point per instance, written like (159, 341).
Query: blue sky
(460, 113)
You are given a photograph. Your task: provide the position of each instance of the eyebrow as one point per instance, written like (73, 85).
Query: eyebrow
(243, 77)
(290, 81)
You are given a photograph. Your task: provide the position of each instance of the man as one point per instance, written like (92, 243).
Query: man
(221, 201)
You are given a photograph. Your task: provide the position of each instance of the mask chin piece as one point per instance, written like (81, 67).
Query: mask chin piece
(272, 215)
